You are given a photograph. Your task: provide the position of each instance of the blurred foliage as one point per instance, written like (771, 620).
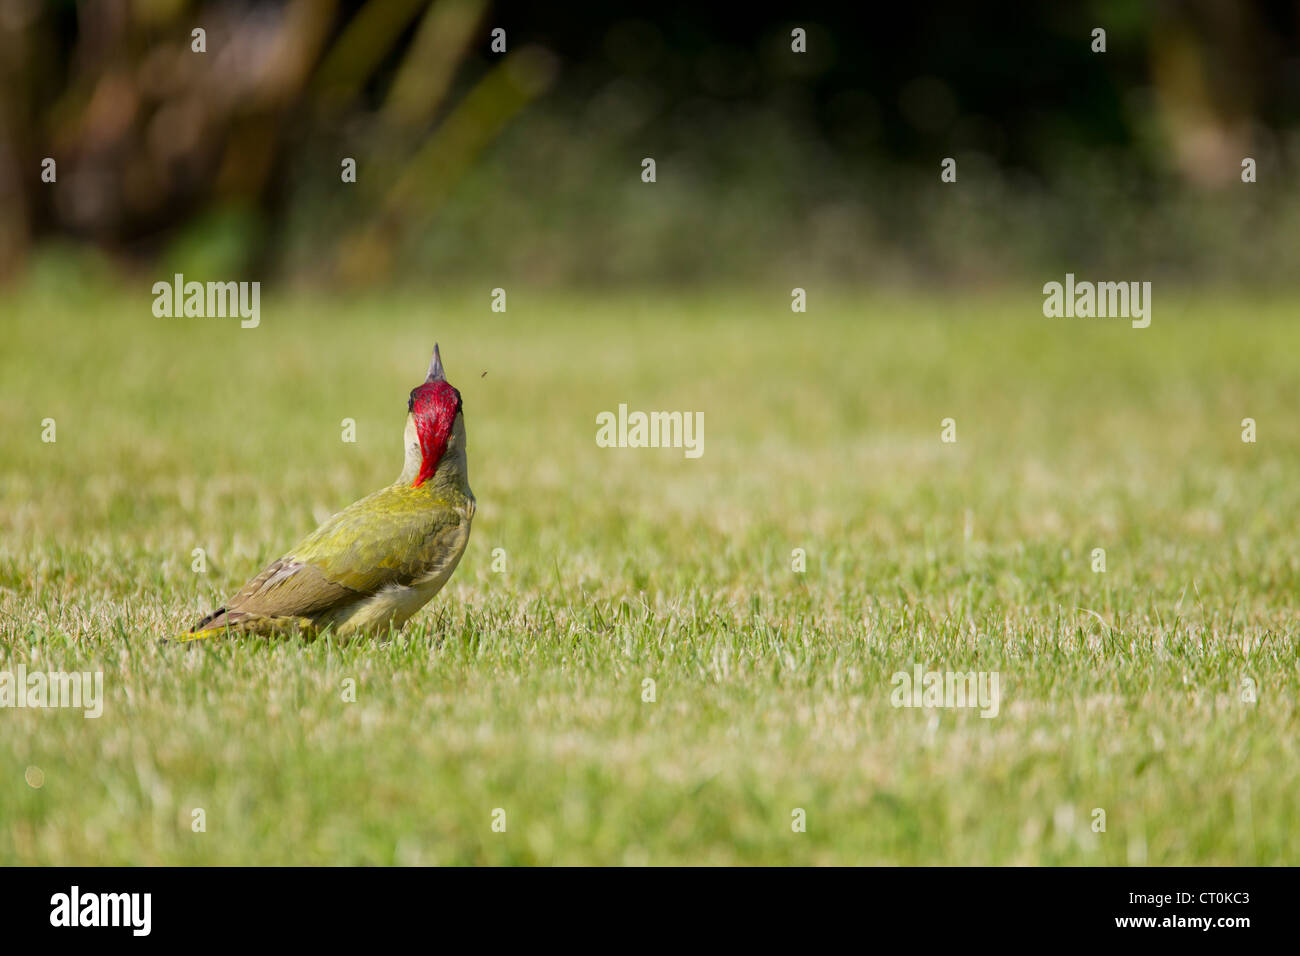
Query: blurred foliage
(525, 165)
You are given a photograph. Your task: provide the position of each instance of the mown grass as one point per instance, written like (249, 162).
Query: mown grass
(523, 690)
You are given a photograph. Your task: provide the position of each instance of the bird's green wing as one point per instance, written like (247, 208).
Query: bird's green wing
(286, 590)
(391, 537)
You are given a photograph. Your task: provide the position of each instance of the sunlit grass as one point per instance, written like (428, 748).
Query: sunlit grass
(524, 690)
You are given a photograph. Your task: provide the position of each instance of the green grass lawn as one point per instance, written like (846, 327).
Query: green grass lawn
(523, 690)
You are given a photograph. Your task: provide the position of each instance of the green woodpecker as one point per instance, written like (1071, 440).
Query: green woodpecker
(377, 562)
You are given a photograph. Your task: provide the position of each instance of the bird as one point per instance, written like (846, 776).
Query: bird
(373, 565)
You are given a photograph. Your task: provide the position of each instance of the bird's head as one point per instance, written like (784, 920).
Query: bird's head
(434, 410)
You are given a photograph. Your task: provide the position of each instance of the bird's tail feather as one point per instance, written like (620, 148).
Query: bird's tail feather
(226, 623)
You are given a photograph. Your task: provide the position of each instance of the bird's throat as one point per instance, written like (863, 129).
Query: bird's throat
(433, 459)
(432, 447)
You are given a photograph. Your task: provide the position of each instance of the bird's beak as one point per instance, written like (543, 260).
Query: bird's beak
(435, 368)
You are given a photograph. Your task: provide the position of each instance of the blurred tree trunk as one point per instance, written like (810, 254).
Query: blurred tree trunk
(150, 135)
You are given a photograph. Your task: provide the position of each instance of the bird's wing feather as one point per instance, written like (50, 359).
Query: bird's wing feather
(289, 588)
(392, 537)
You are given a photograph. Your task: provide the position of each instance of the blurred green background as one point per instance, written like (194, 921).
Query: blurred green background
(524, 166)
